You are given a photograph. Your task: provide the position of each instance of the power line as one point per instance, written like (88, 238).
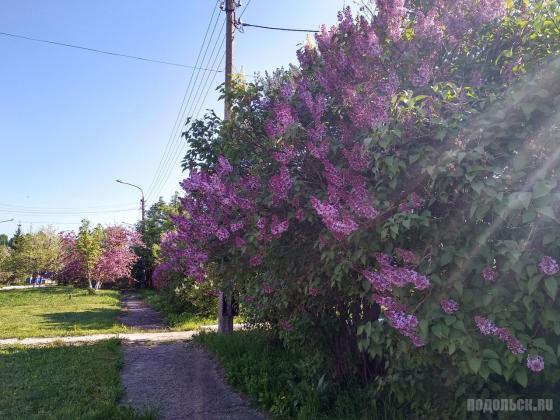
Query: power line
(276, 28)
(93, 207)
(95, 50)
(64, 213)
(168, 146)
(196, 103)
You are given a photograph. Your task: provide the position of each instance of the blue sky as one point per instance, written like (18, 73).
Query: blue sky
(73, 121)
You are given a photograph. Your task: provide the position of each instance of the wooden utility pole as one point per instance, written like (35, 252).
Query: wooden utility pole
(225, 306)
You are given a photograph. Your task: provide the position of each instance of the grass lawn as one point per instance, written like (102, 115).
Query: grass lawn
(58, 311)
(63, 382)
(287, 384)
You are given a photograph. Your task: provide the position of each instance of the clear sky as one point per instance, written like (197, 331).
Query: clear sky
(71, 121)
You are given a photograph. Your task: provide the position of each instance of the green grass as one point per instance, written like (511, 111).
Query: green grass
(63, 383)
(177, 321)
(286, 384)
(58, 311)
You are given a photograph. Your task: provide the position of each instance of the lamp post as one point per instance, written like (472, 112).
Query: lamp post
(143, 209)
(6, 221)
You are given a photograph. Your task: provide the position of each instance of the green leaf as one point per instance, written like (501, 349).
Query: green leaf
(519, 200)
(495, 366)
(474, 364)
(452, 348)
(532, 284)
(548, 212)
(490, 354)
(551, 286)
(521, 377)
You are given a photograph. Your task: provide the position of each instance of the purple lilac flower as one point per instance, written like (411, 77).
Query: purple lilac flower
(388, 303)
(235, 226)
(360, 204)
(330, 215)
(423, 74)
(485, 326)
(255, 260)
(280, 185)
(377, 280)
(416, 201)
(503, 334)
(222, 234)
(549, 266)
(261, 223)
(267, 288)
(383, 259)
(239, 242)
(286, 90)
(489, 274)
(535, 363)
(449, 306)
(278, 227)
(408, 257)
(224, 167)
(284, 156)
(515, 346)
(285, 325)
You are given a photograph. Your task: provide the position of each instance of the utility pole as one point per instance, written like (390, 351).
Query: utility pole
(225, 306)
(143, 210)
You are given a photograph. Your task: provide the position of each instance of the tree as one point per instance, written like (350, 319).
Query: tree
(157, 222)
(89, 245)
(117, 256)
(36, 253)
(3, 239)
(5, 273)
(72, 263)
(14, 241)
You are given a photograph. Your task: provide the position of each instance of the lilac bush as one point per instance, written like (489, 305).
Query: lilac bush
(369, 198)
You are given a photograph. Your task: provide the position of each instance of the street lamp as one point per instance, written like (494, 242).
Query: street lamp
(6, 221)
(142, 203)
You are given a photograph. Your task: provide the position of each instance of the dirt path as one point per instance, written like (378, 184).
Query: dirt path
(138, 314)
(179, 379)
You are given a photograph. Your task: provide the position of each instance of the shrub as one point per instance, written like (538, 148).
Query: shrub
(391, 203)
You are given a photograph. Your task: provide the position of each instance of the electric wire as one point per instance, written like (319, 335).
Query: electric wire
(95, 50)
(164, 157)
(190, 114)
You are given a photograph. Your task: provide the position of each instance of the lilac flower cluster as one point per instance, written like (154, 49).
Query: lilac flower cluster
(449, 306)
(255, 260)
(390, 275)
(268, 288)
(280, 185)
(408, 257)
(549, 266)
(340, 226)
(487, 327)
(397, 318)
(277, 227)
(414, 202)
(489, 274)
(535, 363)
(285, 325)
